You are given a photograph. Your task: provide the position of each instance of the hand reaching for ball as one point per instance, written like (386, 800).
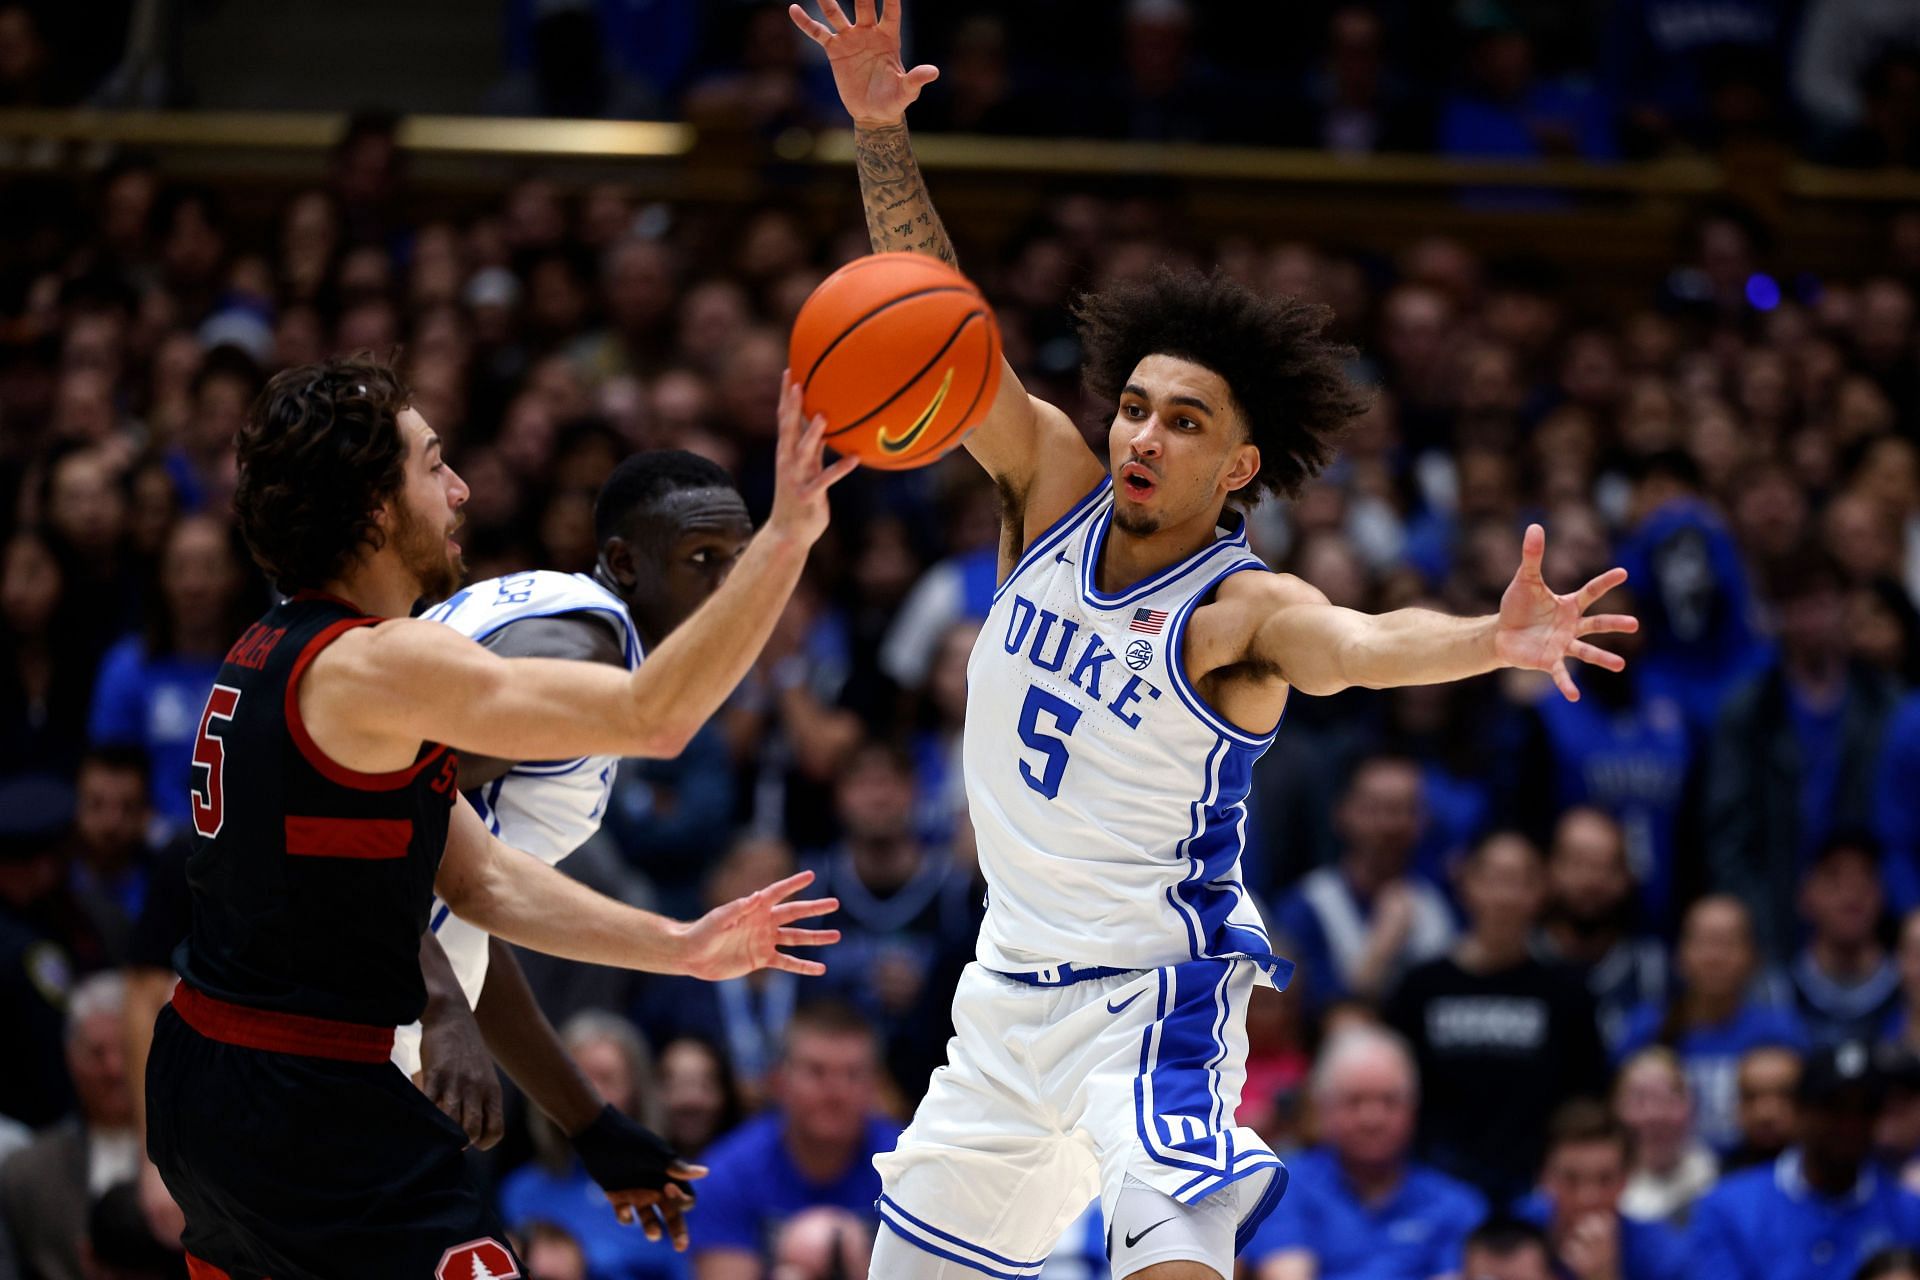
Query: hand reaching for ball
(801, 476)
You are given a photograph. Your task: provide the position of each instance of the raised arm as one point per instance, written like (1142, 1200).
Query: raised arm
(375, 694)
(528, 902)
(1319, 648)
(1028, 446)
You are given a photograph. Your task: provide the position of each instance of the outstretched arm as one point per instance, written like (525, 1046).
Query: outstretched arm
(1319, 648)
(525, 901)
(390, 687)
(1028, 446)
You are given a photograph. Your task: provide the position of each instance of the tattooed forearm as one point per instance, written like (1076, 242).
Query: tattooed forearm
(900, 214)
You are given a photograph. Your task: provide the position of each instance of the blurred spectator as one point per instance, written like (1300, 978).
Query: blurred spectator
(1357, 1207)
(1670, 1168)
(556, 1189)
(47, 1190)
(747, 1017)
(1501, 1038)
(552, 1253)
(1581, 1183)
(1841, 44)
(698, 1100)
(1353, 103)
(1897, 1263)
(1766, 1082)
(46, 668)
(1845, 984)
(1506, 111)
(1821, 1209)
(1355, 927)
(153, 687)
(36, 952)
(814, 1149)
(822, 1244)
(1166, 90)
(1793, 755)
(119, 1245)
(1903, 1021)
(1624, 749)
(1684, 73)
(1718, 1011)
(670, 817)
(113, 853)
(907, 914)
(1896, 813)
(573, 70)
(1277, 1066)
(1590, 916)
(1503, 1248)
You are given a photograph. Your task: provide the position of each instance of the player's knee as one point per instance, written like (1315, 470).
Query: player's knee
(1175, 1271)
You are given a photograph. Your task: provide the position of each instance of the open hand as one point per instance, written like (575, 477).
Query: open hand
(1540, 630)
(801, 477)
(747, 933)
(865, 56)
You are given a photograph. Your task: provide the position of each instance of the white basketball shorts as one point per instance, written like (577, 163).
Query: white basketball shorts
(1053, 1095)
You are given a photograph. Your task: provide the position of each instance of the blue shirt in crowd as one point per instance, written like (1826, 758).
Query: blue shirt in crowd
(1415, 1233)
(1768, 1224)
(1648, 1250)
(755, 1186)
(154, 704)
(574, 1201)
(1631, 763)
(1711, 1056)
(1896, 811)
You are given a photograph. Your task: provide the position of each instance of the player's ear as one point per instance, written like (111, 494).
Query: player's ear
(1242, 467)
(616, 556)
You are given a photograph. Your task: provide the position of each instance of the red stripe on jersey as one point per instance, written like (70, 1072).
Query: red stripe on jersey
(281, 1032)
(329, 768)
(199, 1270)
(372, 839)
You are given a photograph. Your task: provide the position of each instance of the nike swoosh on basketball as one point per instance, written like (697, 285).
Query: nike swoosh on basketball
(893, 444)
(1133, 1240)
(1117, 1008)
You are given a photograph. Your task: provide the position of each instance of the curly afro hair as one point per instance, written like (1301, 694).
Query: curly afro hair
(1287, 379)
(320, 452)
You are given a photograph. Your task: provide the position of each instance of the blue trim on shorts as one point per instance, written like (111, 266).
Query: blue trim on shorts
(1263, 1207)
(886, 1204)
(1064, 975)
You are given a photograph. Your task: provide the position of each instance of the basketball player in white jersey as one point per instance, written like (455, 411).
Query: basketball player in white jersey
(1135, 663)
(670, 526)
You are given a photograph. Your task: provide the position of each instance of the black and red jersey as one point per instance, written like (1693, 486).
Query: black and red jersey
(311, 882)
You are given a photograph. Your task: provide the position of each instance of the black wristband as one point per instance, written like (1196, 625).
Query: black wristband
(623, 1156)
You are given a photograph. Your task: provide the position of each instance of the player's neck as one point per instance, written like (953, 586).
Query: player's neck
(378, 585)
(1127, 558)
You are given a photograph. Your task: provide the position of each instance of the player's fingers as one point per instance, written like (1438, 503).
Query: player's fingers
(1564, 682)
(922, 76)
(1599, 587)
(1602, 622)
(788, 912)
(686, 1173)
(806, 937)
(863, 13)
(836, 18)
(794, 964)
(676, 1221)
(814, 31)
(1595, 656)
(839, 471)
(788, 887)
(625, 1212)
(1533, 548)
(650, 1223)
(494, 1124)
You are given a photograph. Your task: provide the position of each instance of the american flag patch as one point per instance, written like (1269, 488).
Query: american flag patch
(1148, 621)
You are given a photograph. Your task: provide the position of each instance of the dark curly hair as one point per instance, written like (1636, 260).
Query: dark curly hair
(1286, 377)
(320, 452)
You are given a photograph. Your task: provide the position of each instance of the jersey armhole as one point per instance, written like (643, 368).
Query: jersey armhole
(1054, 534)
(329, 768)
(1177, 668)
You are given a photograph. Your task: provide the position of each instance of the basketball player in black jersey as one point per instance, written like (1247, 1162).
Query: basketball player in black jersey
(326, 816)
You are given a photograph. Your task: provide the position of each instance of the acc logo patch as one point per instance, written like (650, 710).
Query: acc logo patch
(1139, 654)
(477, 1260)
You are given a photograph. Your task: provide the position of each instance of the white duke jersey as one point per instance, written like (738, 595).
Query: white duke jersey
(1108, 799)
(547, 808)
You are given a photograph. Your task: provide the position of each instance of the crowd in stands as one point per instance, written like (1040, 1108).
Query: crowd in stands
(1625, 989)
(1838, 80)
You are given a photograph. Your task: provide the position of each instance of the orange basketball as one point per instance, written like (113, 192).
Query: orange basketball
(902, 356)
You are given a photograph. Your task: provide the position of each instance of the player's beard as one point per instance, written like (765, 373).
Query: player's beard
(1134, 525)
(423, 550)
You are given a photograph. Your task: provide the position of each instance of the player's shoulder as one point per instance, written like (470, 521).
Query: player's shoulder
(1267, 589)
